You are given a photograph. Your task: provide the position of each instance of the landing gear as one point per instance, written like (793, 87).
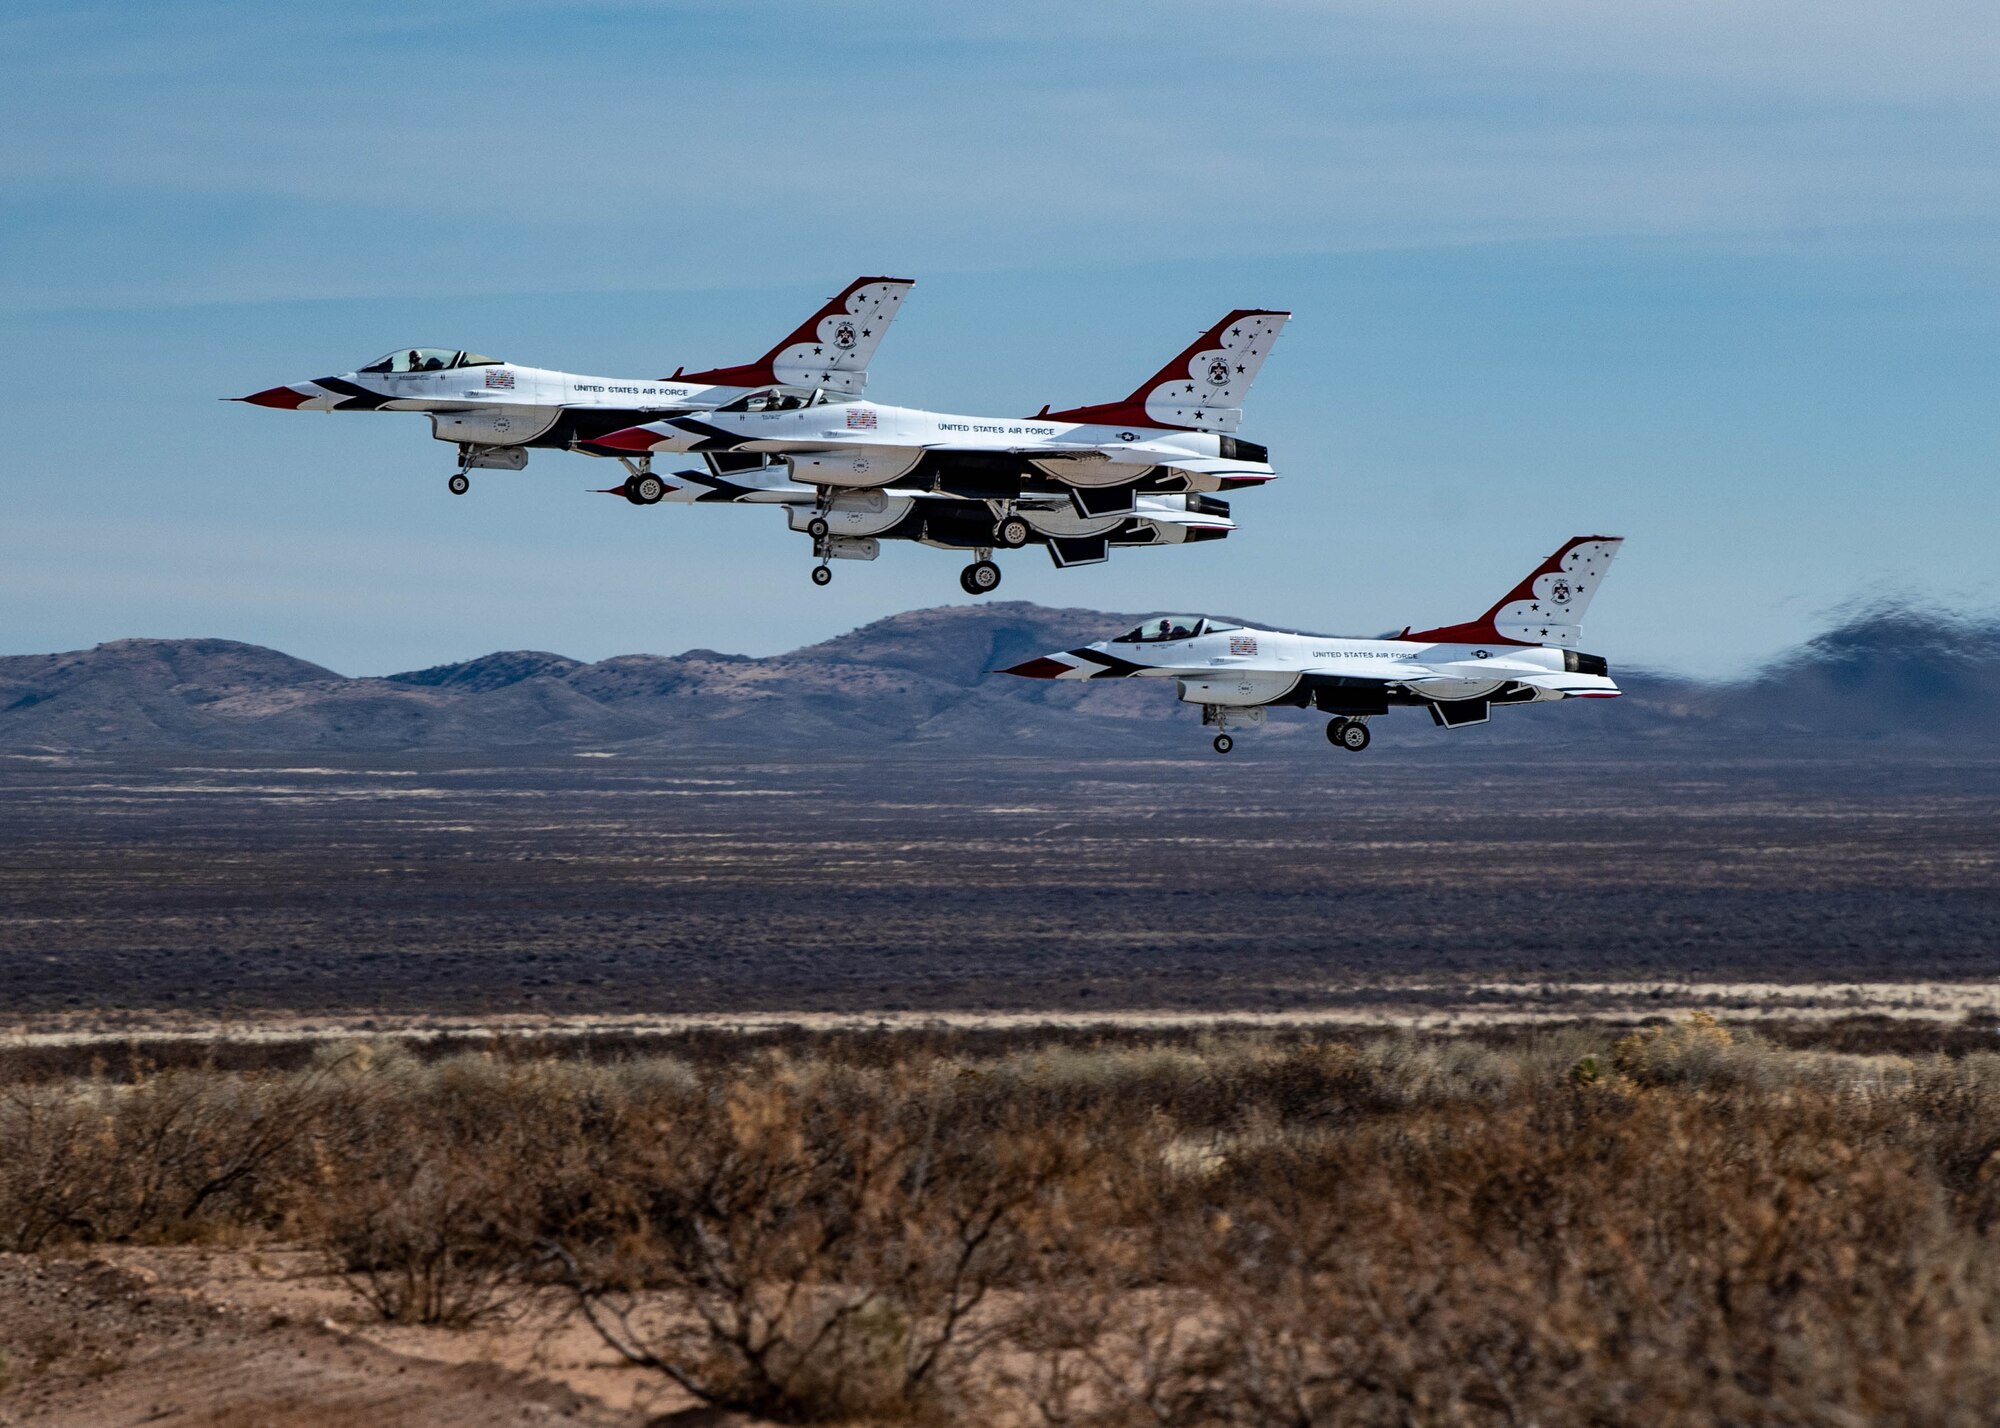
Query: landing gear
(1348, 734)
(459, 483)
(817, 528)
(980, 578)
(822, 574)
(1011, 532)
(1220, 716)
(643, 488)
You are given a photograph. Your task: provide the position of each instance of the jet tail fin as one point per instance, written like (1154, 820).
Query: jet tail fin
(830, 349)
(1203, 388)
(1544, 609)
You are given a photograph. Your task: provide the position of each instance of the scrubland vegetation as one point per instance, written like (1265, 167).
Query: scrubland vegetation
(1680, 1225)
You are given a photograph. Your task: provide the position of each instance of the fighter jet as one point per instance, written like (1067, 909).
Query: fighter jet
(494, 410)
(1522, 651)
(856, 526)
(1171, 436)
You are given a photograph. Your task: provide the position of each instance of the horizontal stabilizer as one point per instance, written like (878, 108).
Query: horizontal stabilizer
(1457, 713)
(1094, 501)
(1079, 550)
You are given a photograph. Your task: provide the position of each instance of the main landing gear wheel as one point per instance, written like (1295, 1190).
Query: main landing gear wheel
(459, 483)
(646, 489)
(822, 574)
(817, 528)
(1012, 533)
(980, 578)
(1223, 743)
(1349, 734)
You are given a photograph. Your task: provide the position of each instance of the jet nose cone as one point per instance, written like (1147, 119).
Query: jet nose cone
(1041, 667)
(284, 398)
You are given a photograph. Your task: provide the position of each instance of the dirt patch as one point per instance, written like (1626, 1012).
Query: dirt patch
(160, 1338)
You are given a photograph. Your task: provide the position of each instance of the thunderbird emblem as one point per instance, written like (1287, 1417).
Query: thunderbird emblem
(843, 335)
(1218, 373)
(1560, 594)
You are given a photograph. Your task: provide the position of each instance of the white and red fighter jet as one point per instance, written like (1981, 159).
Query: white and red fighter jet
(494, 410)
(1173, 436)
(1522, 651)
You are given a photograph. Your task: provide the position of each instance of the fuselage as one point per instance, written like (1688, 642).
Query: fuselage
(863, 444)
(906, 513)
(489, 403)
(1242, 665)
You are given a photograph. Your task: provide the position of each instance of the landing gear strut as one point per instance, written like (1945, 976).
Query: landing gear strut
(1220, 716)
(982, 577)
(1348, 734)
(459, 483)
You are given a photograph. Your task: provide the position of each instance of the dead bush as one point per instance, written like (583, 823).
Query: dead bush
(812, 1245)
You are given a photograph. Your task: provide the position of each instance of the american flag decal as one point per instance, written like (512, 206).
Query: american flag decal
(500, 377)
(861, 419)
(1243, 644)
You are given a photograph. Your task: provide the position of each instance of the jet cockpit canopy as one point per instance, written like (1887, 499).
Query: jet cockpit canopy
(428, 359)
(776, 399)
(1172, 627)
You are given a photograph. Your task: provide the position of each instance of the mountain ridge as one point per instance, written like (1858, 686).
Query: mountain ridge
(1888, 675)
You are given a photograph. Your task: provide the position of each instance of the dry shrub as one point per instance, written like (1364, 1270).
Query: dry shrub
(437, 1243)
(161, 1157)
(1689, 1225)
(437, 1180)
(825, 1239)
(1583, 1257)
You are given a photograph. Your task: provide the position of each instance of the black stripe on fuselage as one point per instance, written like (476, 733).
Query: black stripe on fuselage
(356, 398)
(1109, 665)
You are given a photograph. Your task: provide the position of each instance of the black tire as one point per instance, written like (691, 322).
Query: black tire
(648, 489)
(982, 577)
(1012, 533)
(1223, 743)
(460, 483)
(817, 528)
(1333, 728)
(1354, 737)
(822, 574)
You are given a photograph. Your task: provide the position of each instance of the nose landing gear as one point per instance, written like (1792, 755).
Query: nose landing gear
(459, 483)
(1220, 716)
(822, 574)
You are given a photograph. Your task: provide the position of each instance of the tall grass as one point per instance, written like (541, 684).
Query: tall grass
(1683, 1225)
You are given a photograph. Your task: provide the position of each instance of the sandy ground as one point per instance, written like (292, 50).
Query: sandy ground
(1430, 1005)
(241, 1340)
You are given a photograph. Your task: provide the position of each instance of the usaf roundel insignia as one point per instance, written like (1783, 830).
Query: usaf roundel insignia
(1560, 593)
(1218, 372)
(843, 335)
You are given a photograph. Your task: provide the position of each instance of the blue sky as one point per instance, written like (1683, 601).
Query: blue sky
(1721, 278)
